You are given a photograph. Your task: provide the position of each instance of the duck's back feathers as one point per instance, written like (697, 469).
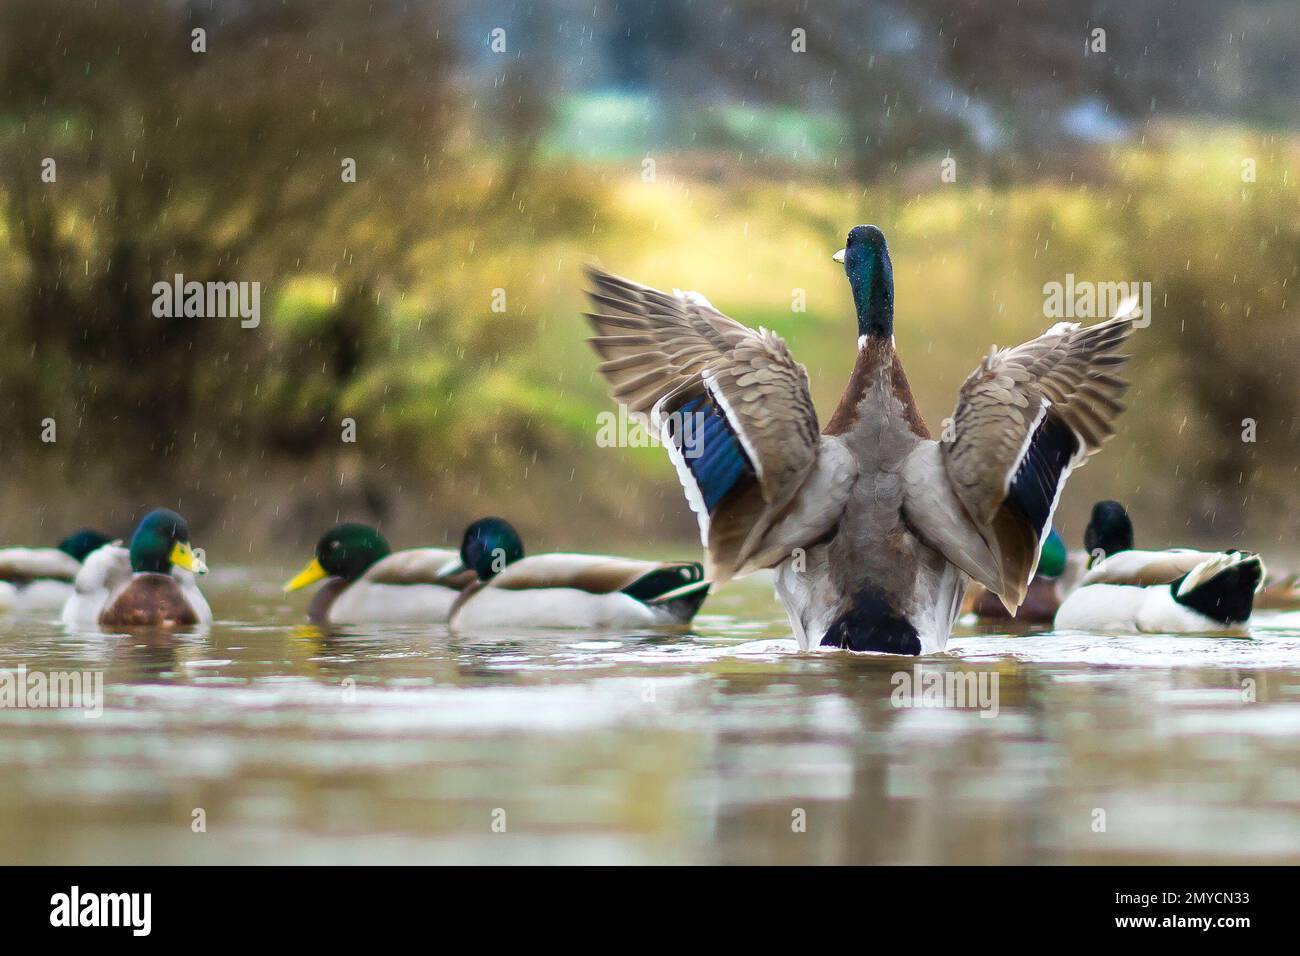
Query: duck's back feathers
(598, 574)
(731, 404)
(1146, 568)
(1024, 420)
(20, 565)
(933, 510)
(418, 566)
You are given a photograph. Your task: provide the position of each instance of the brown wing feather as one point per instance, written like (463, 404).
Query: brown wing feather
(417, 566)
(1146, 568)
(593, 573)
(1066, 376)
(661, 350)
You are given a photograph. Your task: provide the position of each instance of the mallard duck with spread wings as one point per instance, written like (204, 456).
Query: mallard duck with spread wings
(873, 527)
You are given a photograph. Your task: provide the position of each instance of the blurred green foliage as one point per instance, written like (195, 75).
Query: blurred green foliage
(378, 295)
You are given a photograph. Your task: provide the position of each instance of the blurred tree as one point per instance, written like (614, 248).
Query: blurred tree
(218, 165)
(1005, 86)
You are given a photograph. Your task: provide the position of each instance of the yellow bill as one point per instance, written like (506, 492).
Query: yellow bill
(183, 556)
(308, 575)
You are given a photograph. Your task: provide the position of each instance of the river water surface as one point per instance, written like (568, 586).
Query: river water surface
(266, 740)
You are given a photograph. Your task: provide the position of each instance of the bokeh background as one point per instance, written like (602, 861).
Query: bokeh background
(481, 169)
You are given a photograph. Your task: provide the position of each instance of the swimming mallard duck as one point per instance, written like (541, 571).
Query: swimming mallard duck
(568, 590)
(148, 584)
(368, 581)
(872, 526)
(40, 579)
(1059, 572)
(1173, 591)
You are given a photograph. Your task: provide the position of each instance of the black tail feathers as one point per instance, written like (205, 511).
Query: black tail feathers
(655, 584)
(685, 601)
(1227, 594)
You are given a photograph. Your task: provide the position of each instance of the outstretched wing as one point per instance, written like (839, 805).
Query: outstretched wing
(1025, 419)
(731, 405)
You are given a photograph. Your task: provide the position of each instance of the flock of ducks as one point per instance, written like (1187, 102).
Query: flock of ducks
(151, 582)
(1110, 585)
(873, 528)
(490, 583)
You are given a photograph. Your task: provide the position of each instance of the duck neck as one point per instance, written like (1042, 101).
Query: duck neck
(877, 386)
(872, 282)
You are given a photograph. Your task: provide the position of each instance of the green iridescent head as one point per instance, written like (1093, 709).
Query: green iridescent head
(162, 540)
(81, 543)
(871, 278)
(489, 545)
(346, 551)
(1051, 561)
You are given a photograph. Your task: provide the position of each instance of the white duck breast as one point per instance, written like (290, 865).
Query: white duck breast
(1135, 591)
(1106, 607)
(393, 604)
(493, 607)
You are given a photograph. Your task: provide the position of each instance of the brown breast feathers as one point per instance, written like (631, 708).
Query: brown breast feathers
(150, 600)
(875, 355)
